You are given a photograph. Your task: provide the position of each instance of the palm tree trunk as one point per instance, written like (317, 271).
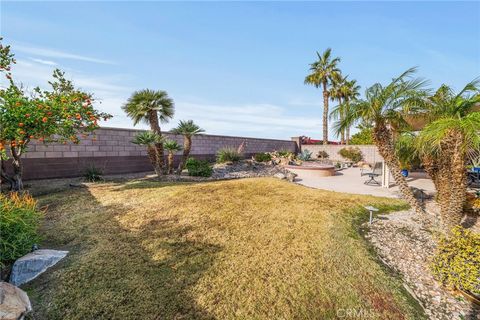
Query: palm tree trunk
(347, 129)
(170, 162)
(155, 127)
(325, 113)
(187, 145)
(386, 148)
(152, 156)
(342, 113)
(453, 185)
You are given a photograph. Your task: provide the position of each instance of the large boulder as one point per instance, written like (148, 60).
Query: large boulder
(33, 264)
(14, 302)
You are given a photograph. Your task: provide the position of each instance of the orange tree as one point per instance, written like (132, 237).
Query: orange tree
(60, 114)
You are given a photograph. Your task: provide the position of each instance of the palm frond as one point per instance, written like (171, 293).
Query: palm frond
(144, 101)
(187, 128)
(147, 138)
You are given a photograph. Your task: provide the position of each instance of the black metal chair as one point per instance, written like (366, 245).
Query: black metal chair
(375, 173)
(473, 178)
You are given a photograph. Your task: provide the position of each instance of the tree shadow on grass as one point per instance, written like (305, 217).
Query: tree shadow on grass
(115, 271)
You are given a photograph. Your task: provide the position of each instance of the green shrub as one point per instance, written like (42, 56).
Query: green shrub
(284, 153)
(228, 155)
(198, 168)
(93, 174)
(305, 155)
(457, 261)
(364, 136)
(19, 220)
(351, 153)
(322, 154)
(262, 157)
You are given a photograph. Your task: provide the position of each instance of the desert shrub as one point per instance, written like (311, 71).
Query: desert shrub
(262, 157)
(228, 155)
(457, 262)
(305, 155)
(283, 157)
(322, 154)
(198, 168)
(284, 153)
(93, 174)
(19, 220)
(351, 153)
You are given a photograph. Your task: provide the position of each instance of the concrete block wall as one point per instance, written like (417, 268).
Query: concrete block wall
(111, 150)
(369, 152)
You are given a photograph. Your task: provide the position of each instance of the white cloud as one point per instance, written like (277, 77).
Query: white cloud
(46, 62)
(251, 120)
(52, 53)
(254, 120)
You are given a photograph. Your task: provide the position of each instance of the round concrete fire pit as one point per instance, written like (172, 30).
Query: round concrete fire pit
(316, 169)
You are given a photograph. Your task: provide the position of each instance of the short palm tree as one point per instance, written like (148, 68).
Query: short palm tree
(151, 107)
(149, 139)
(321, 72)
(187, 129)
(384, 107)
(452, 131)
(171, 146)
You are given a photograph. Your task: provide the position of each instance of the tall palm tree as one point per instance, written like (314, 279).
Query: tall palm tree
(452, 130)
(345, 92)
(152, 107)
(351, 92)
(384, 107)
(187, 129)
(337, 92)
(321, 72)
(149, 139)
(171, 146)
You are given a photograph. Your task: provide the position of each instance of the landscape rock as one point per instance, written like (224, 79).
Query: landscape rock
(33, 264)
(14, 302)
(280, 176)
(291, 176)
(405, 245)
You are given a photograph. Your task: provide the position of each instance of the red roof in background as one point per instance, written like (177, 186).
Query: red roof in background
(308, 140)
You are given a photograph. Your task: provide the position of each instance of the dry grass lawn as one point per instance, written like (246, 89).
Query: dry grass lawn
(241, 249)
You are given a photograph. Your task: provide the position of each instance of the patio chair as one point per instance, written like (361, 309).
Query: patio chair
(473, 179)
(376, 172)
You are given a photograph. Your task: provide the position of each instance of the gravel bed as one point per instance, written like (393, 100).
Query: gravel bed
(407, 247)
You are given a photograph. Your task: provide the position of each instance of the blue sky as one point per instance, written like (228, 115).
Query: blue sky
(238, 68)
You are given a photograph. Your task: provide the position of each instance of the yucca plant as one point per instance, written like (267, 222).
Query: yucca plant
(228, 154)
(188, 129)
(150, 140)
(171, 146)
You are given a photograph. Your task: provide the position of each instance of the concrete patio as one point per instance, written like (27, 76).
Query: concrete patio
(350, 181)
